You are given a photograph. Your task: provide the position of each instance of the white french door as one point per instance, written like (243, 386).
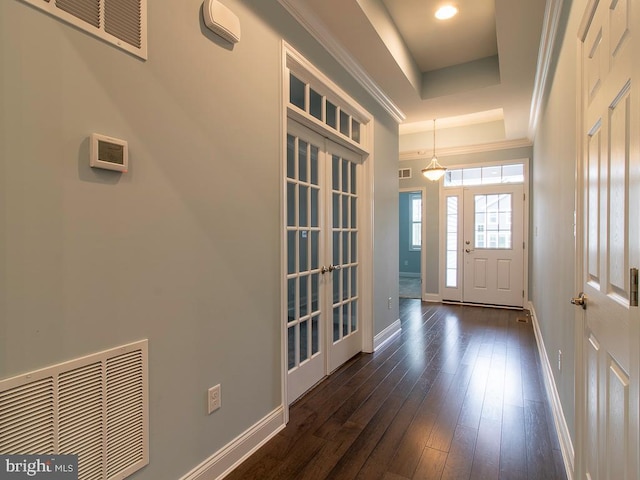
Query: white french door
(323, 310)
(346, 334)
(609, 356)
(483, 247)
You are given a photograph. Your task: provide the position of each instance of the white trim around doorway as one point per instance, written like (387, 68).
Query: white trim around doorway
(423, 249)
(293, 61)
(443, 222)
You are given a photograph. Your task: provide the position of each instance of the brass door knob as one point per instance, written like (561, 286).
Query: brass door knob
(580, 300)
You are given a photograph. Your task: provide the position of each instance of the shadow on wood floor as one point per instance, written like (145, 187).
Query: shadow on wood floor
(459, 394)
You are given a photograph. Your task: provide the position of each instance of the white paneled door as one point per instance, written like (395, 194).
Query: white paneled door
(493, 249)
(322, 202)
(609, 360)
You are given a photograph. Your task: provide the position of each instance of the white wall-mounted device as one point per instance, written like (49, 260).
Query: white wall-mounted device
(221, 20)
(108, 153)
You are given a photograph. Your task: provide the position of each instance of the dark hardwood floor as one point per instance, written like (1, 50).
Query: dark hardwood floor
(459, 394)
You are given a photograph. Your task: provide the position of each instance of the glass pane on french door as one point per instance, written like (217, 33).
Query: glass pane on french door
(303, 245)
(321, 262)
(321, 211)
(344, 230)
(343, 289)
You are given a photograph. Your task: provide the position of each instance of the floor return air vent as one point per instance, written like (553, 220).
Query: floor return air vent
(95, 407)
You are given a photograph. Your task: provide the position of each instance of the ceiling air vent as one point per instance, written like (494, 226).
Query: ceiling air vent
(404, 173)
(120, 22)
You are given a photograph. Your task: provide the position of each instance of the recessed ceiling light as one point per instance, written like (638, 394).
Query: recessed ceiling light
(445, 12)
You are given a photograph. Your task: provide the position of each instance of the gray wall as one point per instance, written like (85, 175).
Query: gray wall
(432, 200)
(553, 188)
(185, 248)
(409, 259)
(385, 225)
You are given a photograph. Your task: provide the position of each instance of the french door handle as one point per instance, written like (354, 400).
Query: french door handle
(469, 250)
(331, 268)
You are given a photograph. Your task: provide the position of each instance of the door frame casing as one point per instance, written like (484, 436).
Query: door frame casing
(443, 222)
(442, 234)
(578, 461)
(423, 247)
(290, 56)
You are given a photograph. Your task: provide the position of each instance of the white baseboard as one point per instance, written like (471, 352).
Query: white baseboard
(432, 297)
(221, 463)
(387, 335)
(564, 437)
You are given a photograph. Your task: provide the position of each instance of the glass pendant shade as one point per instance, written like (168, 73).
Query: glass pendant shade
(434, 170)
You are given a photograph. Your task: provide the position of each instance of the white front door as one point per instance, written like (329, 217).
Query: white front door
(493, 245)
(322, 201)
(610, 244)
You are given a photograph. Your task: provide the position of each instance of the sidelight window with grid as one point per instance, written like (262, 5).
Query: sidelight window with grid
(416, 221)
(451, 259)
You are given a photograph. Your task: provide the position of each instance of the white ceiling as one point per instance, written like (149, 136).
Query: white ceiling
(477, 67)
(435, 44)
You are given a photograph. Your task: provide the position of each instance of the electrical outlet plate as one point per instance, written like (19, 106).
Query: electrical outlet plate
(214, 400)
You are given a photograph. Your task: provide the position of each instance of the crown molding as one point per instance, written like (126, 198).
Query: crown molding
(465, 150)
(316, 28)
(550, 27)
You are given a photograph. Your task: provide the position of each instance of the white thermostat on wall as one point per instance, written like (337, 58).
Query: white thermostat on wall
(108, 153)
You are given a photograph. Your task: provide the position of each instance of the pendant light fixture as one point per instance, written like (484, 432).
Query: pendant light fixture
(434, 170)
